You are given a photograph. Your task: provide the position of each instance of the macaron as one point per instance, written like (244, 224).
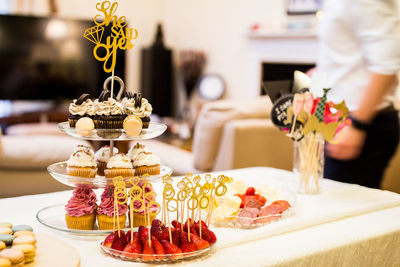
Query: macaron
(4, 262)
(8, 239)
(16, 256)
(22, 228)
(133, 125)
(28, 250)
(20, 233)
(6, 224)
(24, 239)
(5, 231)
(2, 245)
(84, 126)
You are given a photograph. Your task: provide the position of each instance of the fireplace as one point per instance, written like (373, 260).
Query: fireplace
(281, 71)
(276, 55)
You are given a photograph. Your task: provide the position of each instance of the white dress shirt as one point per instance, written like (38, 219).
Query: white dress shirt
(358, 37)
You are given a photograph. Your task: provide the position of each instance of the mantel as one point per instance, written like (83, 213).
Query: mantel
(287, 34)
(288, 47)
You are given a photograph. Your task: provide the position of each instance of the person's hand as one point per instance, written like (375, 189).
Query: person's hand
(349, 146)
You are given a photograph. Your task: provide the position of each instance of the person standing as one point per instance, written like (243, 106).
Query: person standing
(360, 55)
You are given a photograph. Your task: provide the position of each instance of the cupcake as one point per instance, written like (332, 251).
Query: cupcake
(146, 163)
(141, 218)
(108, 113)
(80, 210)
(135, 150)
(119, 165)
(102, 155)
(81, 107)
(138, 106)
(87, 149)
(105, 212)
(81, 163)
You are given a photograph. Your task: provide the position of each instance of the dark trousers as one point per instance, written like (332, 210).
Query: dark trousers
(380, 145)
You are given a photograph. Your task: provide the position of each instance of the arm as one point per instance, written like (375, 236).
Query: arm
(353, 139)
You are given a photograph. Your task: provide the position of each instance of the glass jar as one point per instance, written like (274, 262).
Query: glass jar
(308, 162)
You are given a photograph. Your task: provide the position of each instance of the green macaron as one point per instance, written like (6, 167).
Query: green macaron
(22, 228)
(8, 239)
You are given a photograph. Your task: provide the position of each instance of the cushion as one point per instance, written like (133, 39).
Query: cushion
(211, 121)
(36, 151)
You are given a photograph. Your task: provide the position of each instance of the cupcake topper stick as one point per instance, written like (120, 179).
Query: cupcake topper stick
(134, 193)
(168, 196)
(182, 195)
(120, 197)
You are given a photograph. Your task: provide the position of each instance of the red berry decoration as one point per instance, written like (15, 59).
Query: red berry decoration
(250, 191)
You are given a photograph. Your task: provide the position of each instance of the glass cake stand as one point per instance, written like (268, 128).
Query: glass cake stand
(54, 218)
(155, 129)
(158, 259)
(59, 172)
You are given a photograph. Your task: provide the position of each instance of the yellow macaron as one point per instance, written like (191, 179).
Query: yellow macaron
(5, 231)
(133, 125)
(2, 245)
(28, 250)
(4, 262)
(14, 255)
(24, 239)
(21, 233)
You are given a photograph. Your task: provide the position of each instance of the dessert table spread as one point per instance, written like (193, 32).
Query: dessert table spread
(345, 224)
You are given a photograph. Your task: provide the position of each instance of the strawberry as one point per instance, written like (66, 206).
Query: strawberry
(158, 248)
(148, 252)
(262, 200)
(250, 191)
(119, 241)
(176, 237)
(186, 246)
(207, 234)
(185, 226)
(157, 223)
(109, 239)
(143, 234)
(176, 224)
(199, 242)
(134, 248)
(203, 224)
(171, 249)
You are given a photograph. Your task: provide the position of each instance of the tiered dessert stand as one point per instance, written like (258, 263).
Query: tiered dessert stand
(53, 216)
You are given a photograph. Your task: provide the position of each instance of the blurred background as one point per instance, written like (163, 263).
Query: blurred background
(201, 64)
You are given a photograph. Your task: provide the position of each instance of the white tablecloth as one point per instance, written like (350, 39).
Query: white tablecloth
(343, 225)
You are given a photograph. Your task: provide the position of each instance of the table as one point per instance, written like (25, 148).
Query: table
(344, 225)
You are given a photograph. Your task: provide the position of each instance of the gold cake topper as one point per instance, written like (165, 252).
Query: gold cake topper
(121, 36)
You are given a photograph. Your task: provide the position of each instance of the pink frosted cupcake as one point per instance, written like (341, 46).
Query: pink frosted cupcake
(81, 209)
(105, 212)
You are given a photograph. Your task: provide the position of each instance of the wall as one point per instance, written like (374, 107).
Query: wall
(220, 29)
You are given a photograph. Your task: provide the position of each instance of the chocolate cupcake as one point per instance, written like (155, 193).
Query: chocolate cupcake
(138, 106)
(108, 112)
(81, 107)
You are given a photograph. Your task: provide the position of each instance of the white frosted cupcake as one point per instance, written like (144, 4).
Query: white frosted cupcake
(84, 148)
(81, 163)
(119, 165)
(135, 150)
(146, 163)
(102, 155)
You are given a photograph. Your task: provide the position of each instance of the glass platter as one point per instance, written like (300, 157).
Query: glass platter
(155, 129)
(167, 258)
(59, 172)
(250, 223)
(54, 218)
